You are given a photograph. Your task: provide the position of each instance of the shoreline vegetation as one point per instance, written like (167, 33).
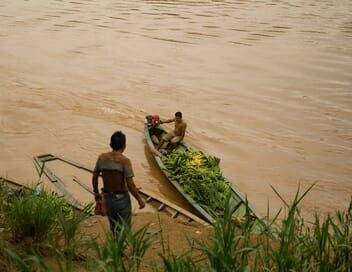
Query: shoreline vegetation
(40, 231)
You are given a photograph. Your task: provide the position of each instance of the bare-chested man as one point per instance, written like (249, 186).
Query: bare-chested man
(177, 135)
(117, 176)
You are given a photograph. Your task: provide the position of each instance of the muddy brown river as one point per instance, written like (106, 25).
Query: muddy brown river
(264, 85)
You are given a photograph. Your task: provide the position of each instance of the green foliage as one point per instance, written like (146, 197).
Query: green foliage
(229, 248)
(200, 177)
(179, 263)
(6, 195)
(341, 240)
(322, 245)
(33, 213)
(64, 261)
(138, 242)
(31, 216)
(28, 264)
(69, 224)
(124, 252)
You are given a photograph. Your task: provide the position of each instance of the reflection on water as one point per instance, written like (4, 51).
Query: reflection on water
(264, 85)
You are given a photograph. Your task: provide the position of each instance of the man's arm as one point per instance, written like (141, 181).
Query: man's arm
(130, 183)
(167, 121)
(133, 189)
(95, 180)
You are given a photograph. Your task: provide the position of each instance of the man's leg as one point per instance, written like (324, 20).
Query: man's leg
(119, 211)
(164, 139)
(174, 141)
(155, 139)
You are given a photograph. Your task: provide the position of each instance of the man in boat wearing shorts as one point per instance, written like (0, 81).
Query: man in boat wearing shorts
(176, 136)
(117, 174)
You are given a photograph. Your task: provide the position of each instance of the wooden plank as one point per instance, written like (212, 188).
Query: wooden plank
(85, 187)
(175, 214)
(162, 206)
(174, 207)
(75, 164)
(46, 157)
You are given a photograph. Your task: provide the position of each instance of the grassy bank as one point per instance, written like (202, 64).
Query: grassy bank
(41, 232)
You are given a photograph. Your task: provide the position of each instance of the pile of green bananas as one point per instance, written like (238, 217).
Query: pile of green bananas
(200, 177)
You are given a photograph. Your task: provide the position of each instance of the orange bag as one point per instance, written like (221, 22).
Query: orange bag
(100, 208)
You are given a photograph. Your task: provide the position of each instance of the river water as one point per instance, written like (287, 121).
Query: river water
(264, 85)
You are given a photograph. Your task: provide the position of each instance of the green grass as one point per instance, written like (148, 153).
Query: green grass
(124, 252)
(229, 248)
(179, 263)
(31, 216)
(33, 212)
(6, 194)
(69, 227)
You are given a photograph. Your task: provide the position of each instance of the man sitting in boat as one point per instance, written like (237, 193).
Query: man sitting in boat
(117, 173)
(154, 130)
(176, 136)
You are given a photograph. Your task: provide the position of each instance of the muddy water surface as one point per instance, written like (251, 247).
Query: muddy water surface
(264, 85)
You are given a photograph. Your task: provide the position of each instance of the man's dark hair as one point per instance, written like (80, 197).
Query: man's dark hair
(178, 114)
(117, 140)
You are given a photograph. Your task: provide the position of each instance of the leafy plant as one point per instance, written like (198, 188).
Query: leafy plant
(31, 216)
(138, 244)
(27, 264)
(179, 263)
(7, 194)
(34, 215)
(229, 247)
(112, 255)
(69, 224)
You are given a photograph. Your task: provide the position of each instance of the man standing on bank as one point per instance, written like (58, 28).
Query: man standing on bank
(176, 136)
(117, 176)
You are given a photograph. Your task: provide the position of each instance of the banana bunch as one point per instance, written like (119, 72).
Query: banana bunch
(200, 177)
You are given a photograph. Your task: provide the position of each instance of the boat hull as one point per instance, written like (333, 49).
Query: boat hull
(242, 207)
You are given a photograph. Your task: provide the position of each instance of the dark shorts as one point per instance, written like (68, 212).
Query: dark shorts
(155, 131)
(118, 208)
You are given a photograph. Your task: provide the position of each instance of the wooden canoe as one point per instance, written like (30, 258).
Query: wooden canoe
(13, 184)
(241, 204)
(153, 202)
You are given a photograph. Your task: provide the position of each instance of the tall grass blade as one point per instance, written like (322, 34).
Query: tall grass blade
(179, 263)
(138, 242)
(17, 260)
(69, 225)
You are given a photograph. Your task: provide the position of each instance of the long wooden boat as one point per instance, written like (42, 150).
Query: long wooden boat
(13, 184)
(153, 202)
(18, 187)
(242, 207)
